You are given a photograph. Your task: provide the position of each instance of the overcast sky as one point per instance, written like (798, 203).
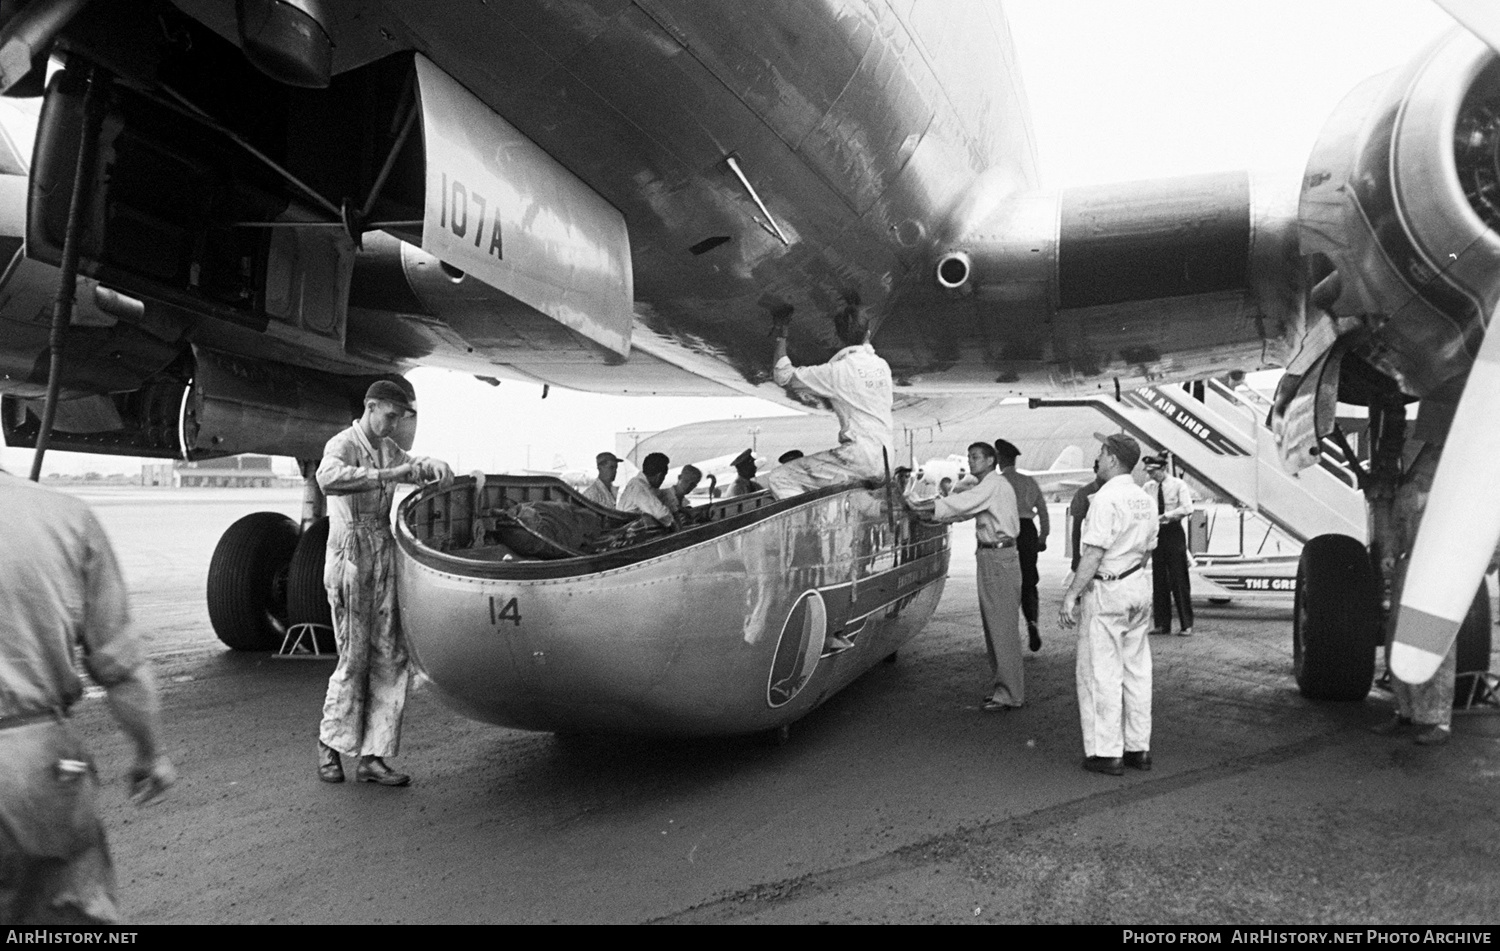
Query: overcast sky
(1119, 90)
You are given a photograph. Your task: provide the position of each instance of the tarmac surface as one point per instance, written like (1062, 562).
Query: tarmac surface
(897, 801)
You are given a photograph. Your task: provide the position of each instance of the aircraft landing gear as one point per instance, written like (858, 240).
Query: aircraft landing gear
(267, 576)
(1336, 620)
(247, 581)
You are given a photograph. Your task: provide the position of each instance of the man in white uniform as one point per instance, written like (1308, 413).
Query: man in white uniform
(367, 692)
(639, 495)
(858, 384)
(602, 490)
(1113, 672)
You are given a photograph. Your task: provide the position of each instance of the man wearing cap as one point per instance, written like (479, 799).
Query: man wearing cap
(1113, 671)
(1033, 538)
(1169, 566)
(602, 490)
(991, 502)
(639, 495)
(857, 383)
(366, 694)
(744, 467)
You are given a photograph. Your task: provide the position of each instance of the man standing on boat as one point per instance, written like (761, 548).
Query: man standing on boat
(858, 384)
(366, 694)
(602, 490)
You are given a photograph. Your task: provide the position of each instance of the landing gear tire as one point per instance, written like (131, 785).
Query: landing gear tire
(1336, 620)
(247, 581)
(306, 598)
(1474, 637)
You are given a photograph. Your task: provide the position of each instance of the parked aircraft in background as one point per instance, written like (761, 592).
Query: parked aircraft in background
(281, 201)
(1066, 473)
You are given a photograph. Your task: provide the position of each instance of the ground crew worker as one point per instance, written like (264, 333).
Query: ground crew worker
(1113, 670)
(1078, 509)
(602, 489)
(992, 503)
(1169, 567)
(62, 600)
(367, 692)
(639, 495)
(1035, 527)
(857, 383)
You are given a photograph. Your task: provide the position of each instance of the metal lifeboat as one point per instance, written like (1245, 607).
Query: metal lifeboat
(714, 629)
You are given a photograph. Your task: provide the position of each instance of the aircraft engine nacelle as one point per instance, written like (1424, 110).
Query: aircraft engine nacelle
(1400, 212)
(236, 405)
(1125, 260)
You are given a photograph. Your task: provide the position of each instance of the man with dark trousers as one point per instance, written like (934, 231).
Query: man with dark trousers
(1169, 568)
(1033, 537)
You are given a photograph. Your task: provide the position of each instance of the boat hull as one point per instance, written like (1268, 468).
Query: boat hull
(717, 636)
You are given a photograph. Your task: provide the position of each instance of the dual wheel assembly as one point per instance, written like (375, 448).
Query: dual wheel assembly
(266, 576)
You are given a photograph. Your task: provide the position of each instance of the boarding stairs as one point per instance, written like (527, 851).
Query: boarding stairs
(1218, 434)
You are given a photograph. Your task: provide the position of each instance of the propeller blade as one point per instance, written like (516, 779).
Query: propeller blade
(1460, 525)
(1480, 17)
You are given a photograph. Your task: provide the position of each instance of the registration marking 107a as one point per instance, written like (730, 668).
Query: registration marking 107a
(454, 214)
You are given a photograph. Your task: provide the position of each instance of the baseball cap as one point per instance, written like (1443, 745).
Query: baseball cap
(1122, 447)
(746, 458)
(393, 393)
(1154, 462)
(606, 457)
(1006, 448)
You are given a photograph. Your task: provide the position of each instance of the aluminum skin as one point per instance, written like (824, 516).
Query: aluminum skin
(713, 630)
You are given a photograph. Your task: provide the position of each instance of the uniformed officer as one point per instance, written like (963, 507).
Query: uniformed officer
(1035, 527)
(1113, 671)
(1169, 566)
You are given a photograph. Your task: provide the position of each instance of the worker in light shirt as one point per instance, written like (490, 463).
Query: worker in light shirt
(992, 504)
(857, 383)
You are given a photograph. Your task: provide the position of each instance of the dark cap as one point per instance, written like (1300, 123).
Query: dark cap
(791, 455)
(1122, 447)
(1155, 462)
(606, 457)
(388, 391)
(1006, 449)
(746, 458)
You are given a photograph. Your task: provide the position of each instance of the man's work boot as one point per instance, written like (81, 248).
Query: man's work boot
(1108, 765)
(330, 770)
(1435, 735)
(372, 769)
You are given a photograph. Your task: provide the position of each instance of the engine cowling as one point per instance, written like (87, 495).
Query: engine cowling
(1400, 208)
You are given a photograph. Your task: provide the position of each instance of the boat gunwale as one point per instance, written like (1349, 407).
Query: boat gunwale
(594, 564)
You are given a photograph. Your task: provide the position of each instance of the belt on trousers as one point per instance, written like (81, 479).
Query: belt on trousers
(26, 719)
(1002, 543)
(1108, 576)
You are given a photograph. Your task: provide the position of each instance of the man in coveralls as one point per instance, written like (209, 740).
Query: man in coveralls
(1113, 671)
(1035, 527)
(360, 467)
(61, 599)
(602, 490)
(858, 384)
(992, 503)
